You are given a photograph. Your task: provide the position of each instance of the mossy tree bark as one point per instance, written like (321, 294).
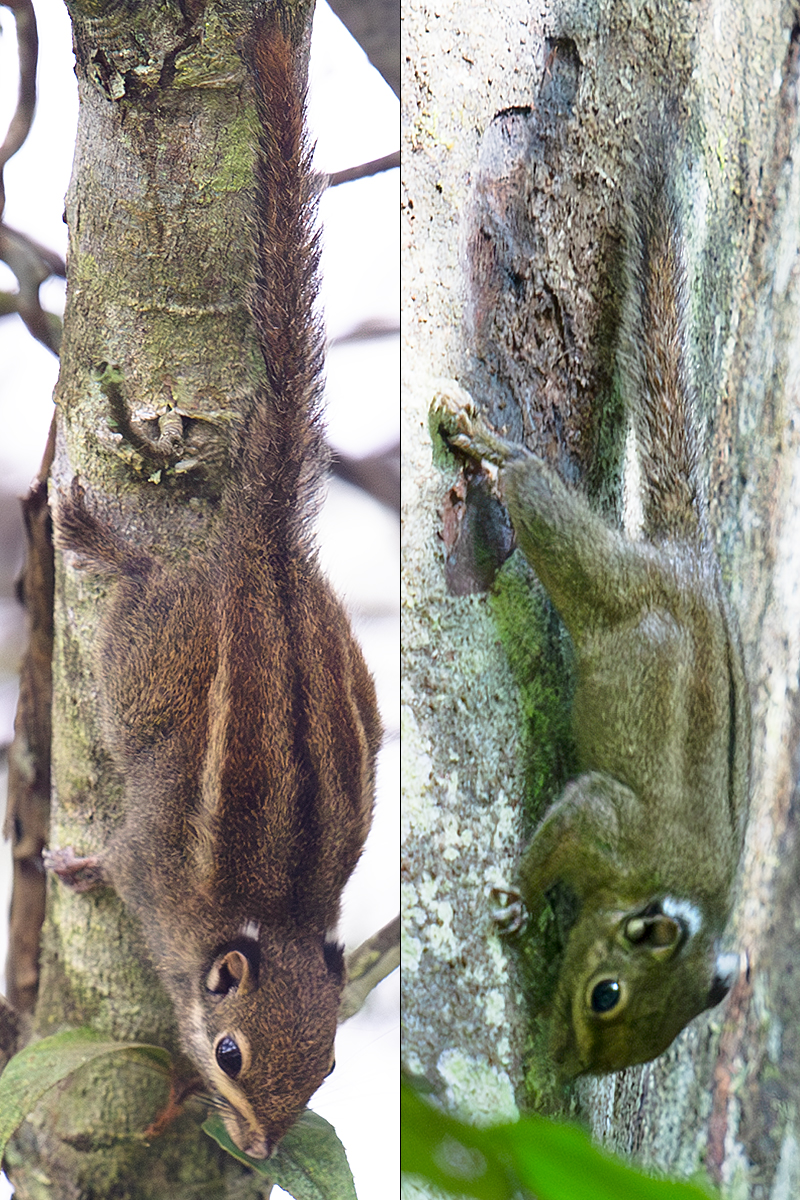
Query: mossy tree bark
(158, 359)
(518, 135)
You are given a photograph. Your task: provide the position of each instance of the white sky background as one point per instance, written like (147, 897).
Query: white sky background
(353, 115)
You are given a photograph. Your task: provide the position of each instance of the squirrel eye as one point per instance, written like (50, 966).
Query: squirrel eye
(229, 1056)
(606, 995)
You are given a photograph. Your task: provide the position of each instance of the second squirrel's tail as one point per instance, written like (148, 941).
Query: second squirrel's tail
(282, 450)
(654, 364)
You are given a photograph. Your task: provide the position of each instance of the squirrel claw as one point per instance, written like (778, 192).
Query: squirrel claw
(179, 1092)
(508, 912)
(454, 406)
(462, 429)
(453, 411)
(462, 441)
(78, 874)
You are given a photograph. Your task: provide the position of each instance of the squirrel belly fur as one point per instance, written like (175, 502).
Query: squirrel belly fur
(647, 839)
(236, 703)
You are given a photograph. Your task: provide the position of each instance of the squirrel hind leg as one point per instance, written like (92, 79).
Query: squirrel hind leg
(77, 873)
(75, 528)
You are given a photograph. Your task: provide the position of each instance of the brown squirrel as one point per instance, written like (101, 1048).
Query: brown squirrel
(236, 703)
(647, 840)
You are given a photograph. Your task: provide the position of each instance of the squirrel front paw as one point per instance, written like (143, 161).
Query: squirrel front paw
(454, 414)
(453, 409)
(79, 874)
(509, 913)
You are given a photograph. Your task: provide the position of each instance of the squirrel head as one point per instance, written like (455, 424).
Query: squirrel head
(261, 1029)
(631, 981)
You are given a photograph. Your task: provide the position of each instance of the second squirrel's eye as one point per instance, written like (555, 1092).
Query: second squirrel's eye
(229, 1056)
(606, 995)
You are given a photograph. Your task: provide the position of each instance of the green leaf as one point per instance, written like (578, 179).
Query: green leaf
(550, 1160)
(447, 1153)
(310, 1162)
(40, 1066)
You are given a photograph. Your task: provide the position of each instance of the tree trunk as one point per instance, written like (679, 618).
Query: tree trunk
(158, 359)
(518, 134)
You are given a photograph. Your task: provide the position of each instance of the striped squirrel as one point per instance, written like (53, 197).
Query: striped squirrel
(235, 701)
(647, 839)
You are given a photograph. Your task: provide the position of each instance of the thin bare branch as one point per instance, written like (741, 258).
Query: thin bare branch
(28, 51)
(376, 474)
(373, 327)
(364, 170)
(32, 264)
(367, 965)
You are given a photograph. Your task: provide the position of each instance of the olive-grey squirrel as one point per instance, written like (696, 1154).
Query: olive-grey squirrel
(236, 703)
(647, 838)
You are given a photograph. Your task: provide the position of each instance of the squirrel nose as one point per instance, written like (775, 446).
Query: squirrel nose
(259, 1147)
(248, 1137)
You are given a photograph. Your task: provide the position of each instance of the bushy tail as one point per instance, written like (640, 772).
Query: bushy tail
(654, 361)
(282, 455)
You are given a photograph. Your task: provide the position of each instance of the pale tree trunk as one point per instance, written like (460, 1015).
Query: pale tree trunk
(520, 127)
(157, 322)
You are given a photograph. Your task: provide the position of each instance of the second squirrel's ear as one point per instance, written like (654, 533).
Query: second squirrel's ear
(230, 971)
(661, 934)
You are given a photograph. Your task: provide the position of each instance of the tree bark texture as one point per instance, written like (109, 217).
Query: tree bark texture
(518, 133)
(158, 359)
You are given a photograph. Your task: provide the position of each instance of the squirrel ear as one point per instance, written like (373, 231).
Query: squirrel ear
(659, 933)
(229, 971)
(334, 959)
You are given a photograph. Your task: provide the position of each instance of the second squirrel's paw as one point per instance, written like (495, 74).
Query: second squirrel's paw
(78, 874)
(453, 412)
(508, 910)
(454, 416)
